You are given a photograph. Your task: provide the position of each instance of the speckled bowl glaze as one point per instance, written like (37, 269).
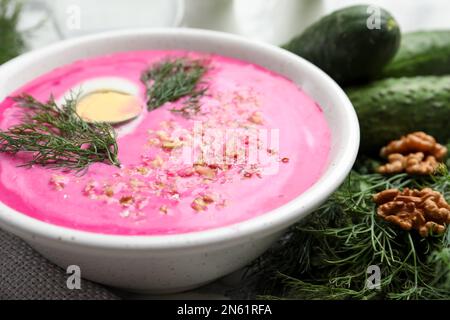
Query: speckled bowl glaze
(174, 263)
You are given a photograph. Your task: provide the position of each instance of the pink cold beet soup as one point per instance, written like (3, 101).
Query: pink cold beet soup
(255, 142)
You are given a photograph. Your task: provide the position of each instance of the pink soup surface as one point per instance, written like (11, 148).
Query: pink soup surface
(168, 182)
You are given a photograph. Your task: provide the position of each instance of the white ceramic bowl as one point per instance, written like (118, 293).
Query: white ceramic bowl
(163, 264)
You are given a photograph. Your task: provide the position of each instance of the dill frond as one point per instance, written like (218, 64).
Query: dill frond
(327, 256)
(173, 79)
(56, 137)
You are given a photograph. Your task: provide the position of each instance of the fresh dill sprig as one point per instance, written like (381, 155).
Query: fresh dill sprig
(11, 41)
(327, 256)
(56, 137)
(173, 79)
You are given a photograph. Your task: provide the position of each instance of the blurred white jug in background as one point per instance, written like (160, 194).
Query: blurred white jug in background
(274, 21)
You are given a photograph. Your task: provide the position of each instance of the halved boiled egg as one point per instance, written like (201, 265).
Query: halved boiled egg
(109, 106)
(109, 99)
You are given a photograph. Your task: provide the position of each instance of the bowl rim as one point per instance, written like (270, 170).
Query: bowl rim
(254, 228)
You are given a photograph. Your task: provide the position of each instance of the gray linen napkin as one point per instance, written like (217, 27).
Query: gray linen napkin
(25, 274)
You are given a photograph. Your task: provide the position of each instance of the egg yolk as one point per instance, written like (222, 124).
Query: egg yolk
(109, 106)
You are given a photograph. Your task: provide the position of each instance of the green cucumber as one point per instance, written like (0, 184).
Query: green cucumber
(343, 45)
(421, 53)
(390, 108)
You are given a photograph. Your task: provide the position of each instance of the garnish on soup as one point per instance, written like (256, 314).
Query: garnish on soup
(173, 79)
(109, 106)
(56, 137)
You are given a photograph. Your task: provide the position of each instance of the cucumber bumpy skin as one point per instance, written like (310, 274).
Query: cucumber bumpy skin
(345, 47)
(421, 53)
(390, 108)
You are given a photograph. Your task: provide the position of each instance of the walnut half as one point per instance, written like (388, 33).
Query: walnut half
(416, 153)
(424, 210)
